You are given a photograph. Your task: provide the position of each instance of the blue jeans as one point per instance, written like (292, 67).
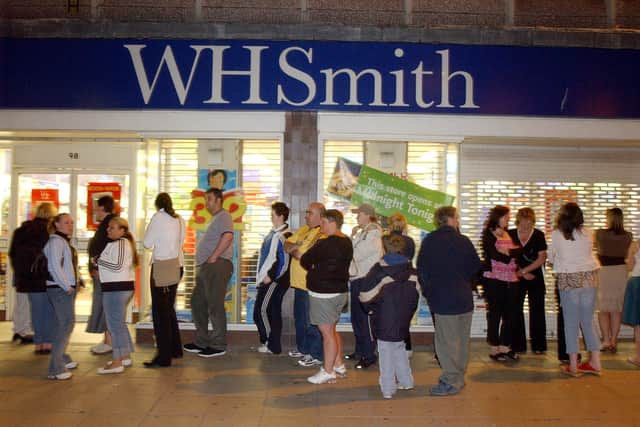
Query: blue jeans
(42, 318)
(308, 338)
(578, 306)
(115, 311)
(65, 317)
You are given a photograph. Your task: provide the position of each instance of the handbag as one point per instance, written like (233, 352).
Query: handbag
(166, 272)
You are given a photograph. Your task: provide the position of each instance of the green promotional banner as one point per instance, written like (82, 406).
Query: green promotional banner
(387, 194)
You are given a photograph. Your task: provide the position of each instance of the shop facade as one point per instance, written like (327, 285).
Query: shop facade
(488, 125)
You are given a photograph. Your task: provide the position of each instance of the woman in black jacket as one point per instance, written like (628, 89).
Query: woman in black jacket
(327, 263)
(26, 247)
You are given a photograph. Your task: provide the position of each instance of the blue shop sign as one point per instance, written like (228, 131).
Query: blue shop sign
(330, 76)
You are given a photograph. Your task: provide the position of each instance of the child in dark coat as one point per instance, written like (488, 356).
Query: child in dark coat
(392, 299)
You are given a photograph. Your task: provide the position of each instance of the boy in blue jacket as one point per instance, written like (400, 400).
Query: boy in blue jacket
(392, 299)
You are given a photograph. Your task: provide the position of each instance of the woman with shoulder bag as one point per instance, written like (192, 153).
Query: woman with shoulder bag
(165, 235)
(116, 267)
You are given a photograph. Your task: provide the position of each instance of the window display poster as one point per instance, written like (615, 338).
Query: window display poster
(41, 195)
(95, 190)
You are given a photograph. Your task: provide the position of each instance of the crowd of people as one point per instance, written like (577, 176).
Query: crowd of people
(369, 272)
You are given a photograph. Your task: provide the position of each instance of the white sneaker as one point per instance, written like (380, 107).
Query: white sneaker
(264, 349)
(125, 362)
(388, 396)
(405, 387)
(115, 370)
(340, 371)
(308, 360)
(71, 365)
(295, 353)
(62, 376)
(322, 377)
(101, 348)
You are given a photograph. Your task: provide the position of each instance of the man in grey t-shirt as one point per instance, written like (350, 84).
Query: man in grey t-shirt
(213, 271)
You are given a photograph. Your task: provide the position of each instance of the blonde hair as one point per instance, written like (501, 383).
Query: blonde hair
(124, 225)
(45, 210)
(397, 222)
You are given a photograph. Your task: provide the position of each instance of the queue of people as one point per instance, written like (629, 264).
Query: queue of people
(371, 272)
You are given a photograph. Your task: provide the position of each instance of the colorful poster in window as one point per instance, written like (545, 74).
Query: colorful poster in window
(234, 203)
(41, 195)
(96, 190)
(388, 194)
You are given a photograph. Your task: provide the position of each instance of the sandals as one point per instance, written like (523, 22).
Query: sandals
(498, 357)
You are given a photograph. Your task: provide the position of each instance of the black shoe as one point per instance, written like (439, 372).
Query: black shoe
(352, 356)
(192, 348)
(364, 364)
(22, 339)
(211, 352)
(512, 356)
(155, 363)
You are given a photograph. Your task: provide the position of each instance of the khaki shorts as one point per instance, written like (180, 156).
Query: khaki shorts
(326, 311)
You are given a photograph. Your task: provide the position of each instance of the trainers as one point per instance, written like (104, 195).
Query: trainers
(340, 371)
(192, 348)
(405, 387)
(443, 389)
(101, 348)
(71, 365)
(211, 352)
(322, 377)
(264, 349)
(125, 362)
(388, 396)
(62, 376)
(114, 370)
(308, 360)
(586, 368)
(295, 353)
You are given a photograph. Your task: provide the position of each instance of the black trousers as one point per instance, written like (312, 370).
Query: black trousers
(267, 315)
(365, 343)
(537, 320)
(502, 311)
(165, 322)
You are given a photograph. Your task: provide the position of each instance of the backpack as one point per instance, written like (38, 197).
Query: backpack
(27, 257)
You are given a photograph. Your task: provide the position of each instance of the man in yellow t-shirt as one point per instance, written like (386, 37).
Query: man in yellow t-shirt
(308, 338)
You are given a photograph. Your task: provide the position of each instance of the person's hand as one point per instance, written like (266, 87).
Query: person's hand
(71, 291)
(212, 259)
(266, 280)
(528, 276)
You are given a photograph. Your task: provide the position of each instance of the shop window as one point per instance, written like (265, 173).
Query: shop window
(545, 198)
(5, 200)
(252, 183)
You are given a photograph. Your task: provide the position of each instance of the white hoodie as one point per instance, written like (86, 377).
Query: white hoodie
(367, 250)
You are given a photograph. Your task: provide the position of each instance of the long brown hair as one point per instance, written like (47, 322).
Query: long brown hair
(124, 225)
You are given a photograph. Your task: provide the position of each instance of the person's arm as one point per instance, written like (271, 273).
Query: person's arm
(225, 241)
(150, 233)
(113, 256)
(631, 256)
(311, 256)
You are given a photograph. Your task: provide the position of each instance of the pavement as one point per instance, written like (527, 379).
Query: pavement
(245, 388)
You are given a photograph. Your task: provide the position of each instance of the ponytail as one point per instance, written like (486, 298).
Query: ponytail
(132, 241)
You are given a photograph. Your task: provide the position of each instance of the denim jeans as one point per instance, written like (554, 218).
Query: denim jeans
(65, 317)
(96, 323)
(42, 318)
(365, 344)
(578, 306)
(308, 338)
(115, 311)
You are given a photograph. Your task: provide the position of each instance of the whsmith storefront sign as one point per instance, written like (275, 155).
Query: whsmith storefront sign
(338, 76)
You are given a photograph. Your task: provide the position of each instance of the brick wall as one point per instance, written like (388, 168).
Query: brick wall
(473, 13)
(561, 13)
